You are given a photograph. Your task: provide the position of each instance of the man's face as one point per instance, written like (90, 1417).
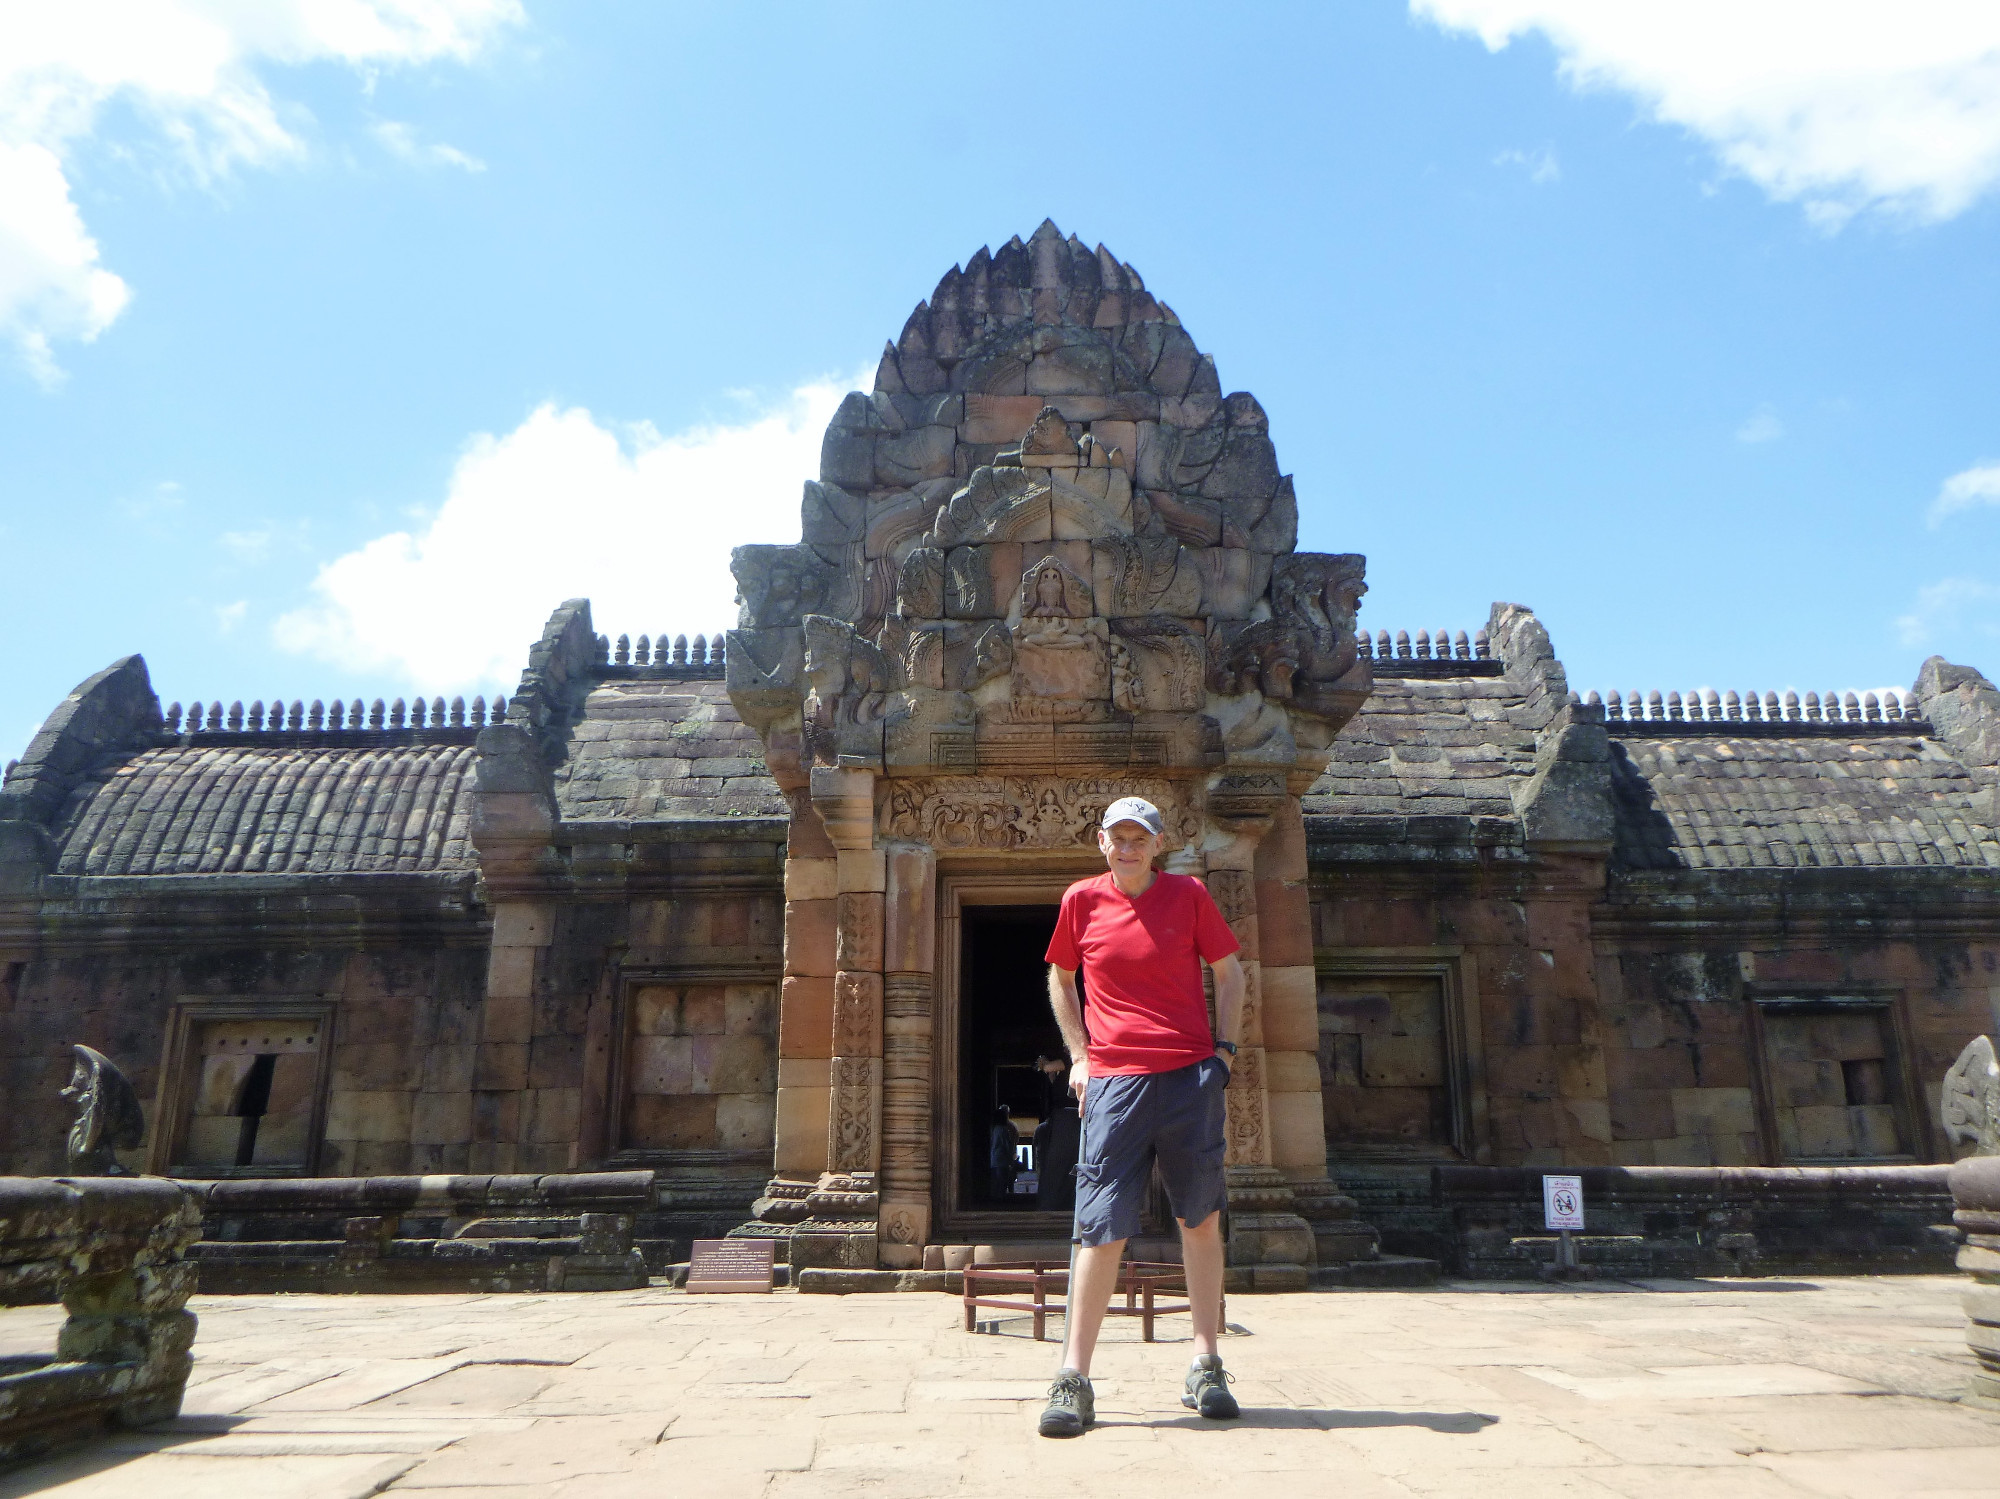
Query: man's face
(1128, 847)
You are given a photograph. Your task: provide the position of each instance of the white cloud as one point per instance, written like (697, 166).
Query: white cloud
(1838, 105)
(188, 71)
(1541, 166)
(1966, 490)
(229, 616)
(1953, 606)
(565, 506)
(400, 140)
(1762, 425)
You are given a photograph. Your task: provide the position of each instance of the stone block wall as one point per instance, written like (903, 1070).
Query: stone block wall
(1529, 1077)
(401, 1021)
(701, 1070)
(1817, 1050)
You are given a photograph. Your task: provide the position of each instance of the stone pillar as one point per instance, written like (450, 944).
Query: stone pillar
(909, 963)
(841, 1230)
(522, 931)
(1271, 1247)
(1297, 1115)
(805, 1004)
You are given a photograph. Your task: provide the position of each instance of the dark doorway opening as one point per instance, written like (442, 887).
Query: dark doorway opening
(1012, 1067)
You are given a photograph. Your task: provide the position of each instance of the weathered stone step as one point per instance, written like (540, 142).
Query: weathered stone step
(1384, 1273)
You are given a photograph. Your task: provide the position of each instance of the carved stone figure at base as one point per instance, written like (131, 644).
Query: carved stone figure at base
(108, 1117)
(1970, 1106)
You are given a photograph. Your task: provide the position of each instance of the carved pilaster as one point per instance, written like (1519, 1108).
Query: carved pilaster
(906, 1112)
(854, 1126)
(857, 1015)
(1248, 1142)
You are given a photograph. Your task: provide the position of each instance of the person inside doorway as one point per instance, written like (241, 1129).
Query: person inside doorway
(1149, 1074)
(1003, 1148)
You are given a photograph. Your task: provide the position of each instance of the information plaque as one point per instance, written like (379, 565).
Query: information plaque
(730, 1265)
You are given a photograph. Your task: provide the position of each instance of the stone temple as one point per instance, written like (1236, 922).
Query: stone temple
(762, 915)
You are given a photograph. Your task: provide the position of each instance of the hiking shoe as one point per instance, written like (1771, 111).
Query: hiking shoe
(1072, 1406)
(1207, 1389)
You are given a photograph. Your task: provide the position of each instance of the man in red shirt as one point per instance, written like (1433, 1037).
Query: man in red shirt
(1150, 1074)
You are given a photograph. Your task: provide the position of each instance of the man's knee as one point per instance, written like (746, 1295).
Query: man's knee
(1208, 1226)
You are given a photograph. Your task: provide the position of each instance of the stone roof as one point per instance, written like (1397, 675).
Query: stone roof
(1452, 746)
(660, 749)
(262, 807)
(1698, 802)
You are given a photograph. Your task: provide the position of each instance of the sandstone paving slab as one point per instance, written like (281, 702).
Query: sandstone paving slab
(253, 1443)
(473, 1387)
(1704, 1382)
(1832, 1424)
(371, 1381)
(1906, 1473)
(1524, 1440)
(1667, 1481)
(674, 1394)
(545, 1452)
(244, 1387)
(105, 1475)
(29, 1329)
(1512, 1483)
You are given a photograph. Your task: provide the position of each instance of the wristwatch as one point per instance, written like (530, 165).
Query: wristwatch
(1228, 1046)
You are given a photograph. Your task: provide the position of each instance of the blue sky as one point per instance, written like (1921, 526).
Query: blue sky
(342, 343)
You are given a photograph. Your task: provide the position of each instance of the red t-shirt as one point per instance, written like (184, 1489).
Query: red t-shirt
(1141, 962)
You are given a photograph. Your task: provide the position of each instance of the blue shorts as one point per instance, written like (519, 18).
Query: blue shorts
(1173, 1117)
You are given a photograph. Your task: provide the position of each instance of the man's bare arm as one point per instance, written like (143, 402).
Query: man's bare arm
(1068, 1010)
(1229, 984)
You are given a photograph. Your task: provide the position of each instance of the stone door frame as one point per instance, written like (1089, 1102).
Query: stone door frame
(1464, 1046)
(1916, 1103)
(982, 882)
(180, 1070)
(613, 1153)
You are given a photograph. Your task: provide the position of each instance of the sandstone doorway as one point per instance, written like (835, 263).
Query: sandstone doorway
(1005, 1036)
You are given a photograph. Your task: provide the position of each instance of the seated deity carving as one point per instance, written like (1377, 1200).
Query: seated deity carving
(1062, 656)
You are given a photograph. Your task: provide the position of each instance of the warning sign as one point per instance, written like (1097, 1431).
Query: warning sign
(1562, 1202)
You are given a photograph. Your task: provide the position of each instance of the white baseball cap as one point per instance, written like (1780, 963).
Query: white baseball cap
(1135, 809)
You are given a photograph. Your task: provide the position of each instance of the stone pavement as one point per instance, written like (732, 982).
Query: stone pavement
(1654, 1390)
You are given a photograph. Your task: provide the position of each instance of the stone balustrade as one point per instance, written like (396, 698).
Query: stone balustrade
(113, 1250)
(570, 1232)
(1647, 1221)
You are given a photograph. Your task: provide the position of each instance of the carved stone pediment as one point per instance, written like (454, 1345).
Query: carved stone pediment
(1050, 590)
(777, 586)
(1062, 653)
(1048, 515)
(1029, 504)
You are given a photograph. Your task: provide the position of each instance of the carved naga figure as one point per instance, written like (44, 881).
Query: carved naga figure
(108, 1116)
(1970, 1106)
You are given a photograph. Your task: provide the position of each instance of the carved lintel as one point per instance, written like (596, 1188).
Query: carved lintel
(1023, 812)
